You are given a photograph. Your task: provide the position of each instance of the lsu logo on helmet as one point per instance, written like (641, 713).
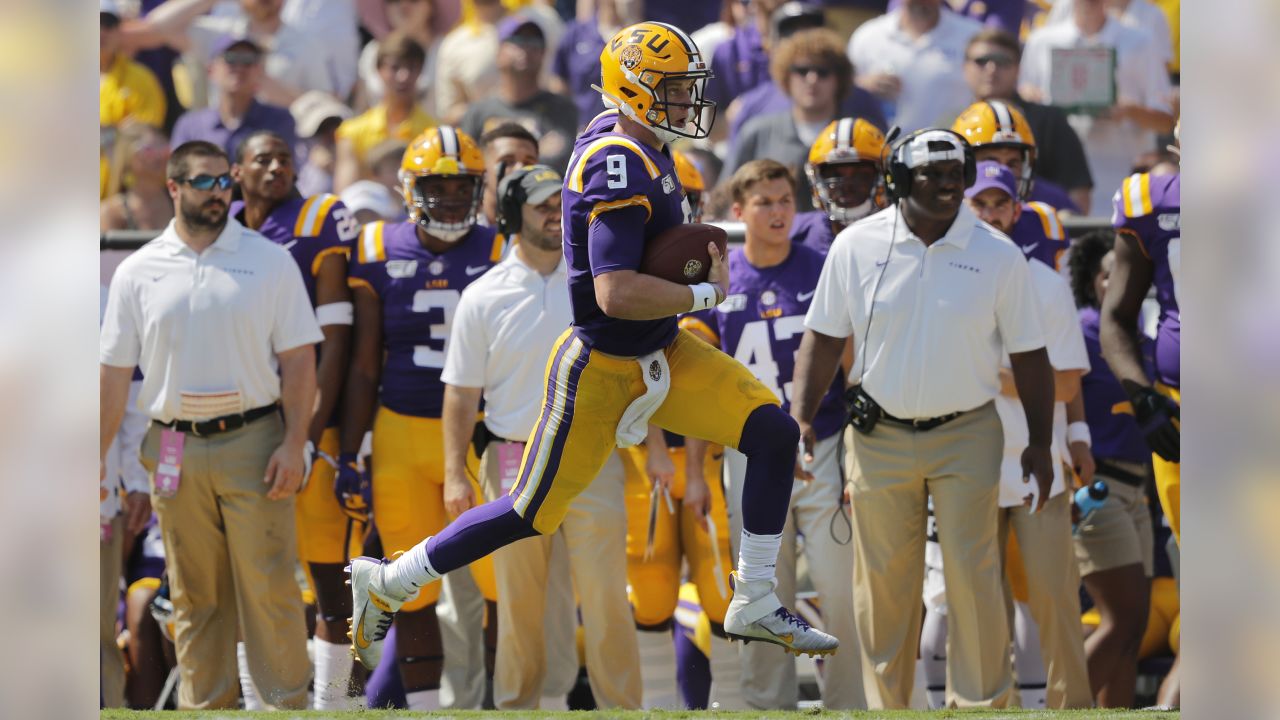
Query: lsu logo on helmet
(442, 179)
(993, 123)
(844, 168)
(650, 69)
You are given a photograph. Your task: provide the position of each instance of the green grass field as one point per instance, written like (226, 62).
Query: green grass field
(647, 715)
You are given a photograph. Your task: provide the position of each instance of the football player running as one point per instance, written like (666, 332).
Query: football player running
(318, 232)
(406, 280)
(624, 362)
(844, 171)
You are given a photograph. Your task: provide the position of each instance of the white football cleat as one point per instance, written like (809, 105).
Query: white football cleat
(755, 613)
(373, 608)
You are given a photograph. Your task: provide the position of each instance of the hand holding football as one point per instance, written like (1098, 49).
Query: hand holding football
(680, 253)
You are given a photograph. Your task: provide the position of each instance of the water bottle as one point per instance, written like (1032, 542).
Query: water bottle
(1089, 499)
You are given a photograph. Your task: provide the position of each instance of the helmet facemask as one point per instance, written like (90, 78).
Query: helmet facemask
(665, 94)
(445, 206)
(845, 190)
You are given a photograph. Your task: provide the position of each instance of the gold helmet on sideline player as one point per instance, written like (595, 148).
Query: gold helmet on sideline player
(641, 65)
(844, 169)
(691, 181)
(995, 123)
(445, 209)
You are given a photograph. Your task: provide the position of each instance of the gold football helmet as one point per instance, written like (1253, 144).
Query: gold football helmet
(648, 70)
(429, 172)
(691, 181)
(844, 169)
(994, 123)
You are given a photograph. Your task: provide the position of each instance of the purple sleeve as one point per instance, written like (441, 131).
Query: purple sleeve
(181, 133)
(615, 240)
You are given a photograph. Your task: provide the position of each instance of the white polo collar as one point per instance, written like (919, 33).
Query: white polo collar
(228, 240)
(958, 234)
(513, 258)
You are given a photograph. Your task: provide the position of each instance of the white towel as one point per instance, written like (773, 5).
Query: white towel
(634, 425)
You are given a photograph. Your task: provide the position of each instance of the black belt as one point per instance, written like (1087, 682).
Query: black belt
(226, 423)
(1112, 471)
(921, 423)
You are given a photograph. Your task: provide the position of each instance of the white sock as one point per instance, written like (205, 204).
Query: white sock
(758, 556)
(252, 701)
(658, 669)
(423, 700)
(726, 675)
(333, 674)
(410, 571)
(554, 703)
(933, 658)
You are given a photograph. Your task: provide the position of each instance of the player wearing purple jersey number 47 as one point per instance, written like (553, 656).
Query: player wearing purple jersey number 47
(624, 362)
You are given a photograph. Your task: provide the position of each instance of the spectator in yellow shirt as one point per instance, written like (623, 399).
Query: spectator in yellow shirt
(396, 117)
(126, 90)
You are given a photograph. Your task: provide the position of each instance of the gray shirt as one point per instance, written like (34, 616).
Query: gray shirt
(774, 137)
(553, 119)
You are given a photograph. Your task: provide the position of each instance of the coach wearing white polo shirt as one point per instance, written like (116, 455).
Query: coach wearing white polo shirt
(218, 320)
(932, 298)
(503, 330)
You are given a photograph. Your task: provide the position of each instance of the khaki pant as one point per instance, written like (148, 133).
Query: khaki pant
(111, 562)
(1119, 533)
(1053, 596)
(769, 673)
(231, 558)
(594, 530)
(897, 469)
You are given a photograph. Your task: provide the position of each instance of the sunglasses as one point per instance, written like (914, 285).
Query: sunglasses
(1001, 61)
(207, 182)
(241, 58)
(821, 71)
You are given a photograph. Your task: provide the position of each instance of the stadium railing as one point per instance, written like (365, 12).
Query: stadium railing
(134, 239)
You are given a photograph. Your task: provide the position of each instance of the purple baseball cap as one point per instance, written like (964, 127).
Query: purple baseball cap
(992, 174)
(512, 24)
(226, 42)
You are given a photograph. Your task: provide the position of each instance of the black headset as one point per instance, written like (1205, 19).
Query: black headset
(897, 176)
(510, 214)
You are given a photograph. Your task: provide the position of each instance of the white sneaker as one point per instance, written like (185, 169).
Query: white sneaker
(373, 608)
(755, 613)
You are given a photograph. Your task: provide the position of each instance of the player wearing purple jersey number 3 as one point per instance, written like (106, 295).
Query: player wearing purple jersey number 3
(407, 279)
(624, 363)
(317, 231)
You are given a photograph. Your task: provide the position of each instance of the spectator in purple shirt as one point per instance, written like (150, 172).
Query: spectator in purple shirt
(576, 66)
(742, 62)
(236, 69)
(688, 15)
(1004, 14)
(768, 99)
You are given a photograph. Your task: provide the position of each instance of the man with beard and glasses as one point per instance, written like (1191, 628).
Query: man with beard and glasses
(218, 320)
(317, 231)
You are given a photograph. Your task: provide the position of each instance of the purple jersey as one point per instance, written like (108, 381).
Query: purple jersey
(418, 291)
(1149, 208)
(761, 322)
(311, 229)
(1040, 235)
(813, 230)
(619, 194)
(1115, 432)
